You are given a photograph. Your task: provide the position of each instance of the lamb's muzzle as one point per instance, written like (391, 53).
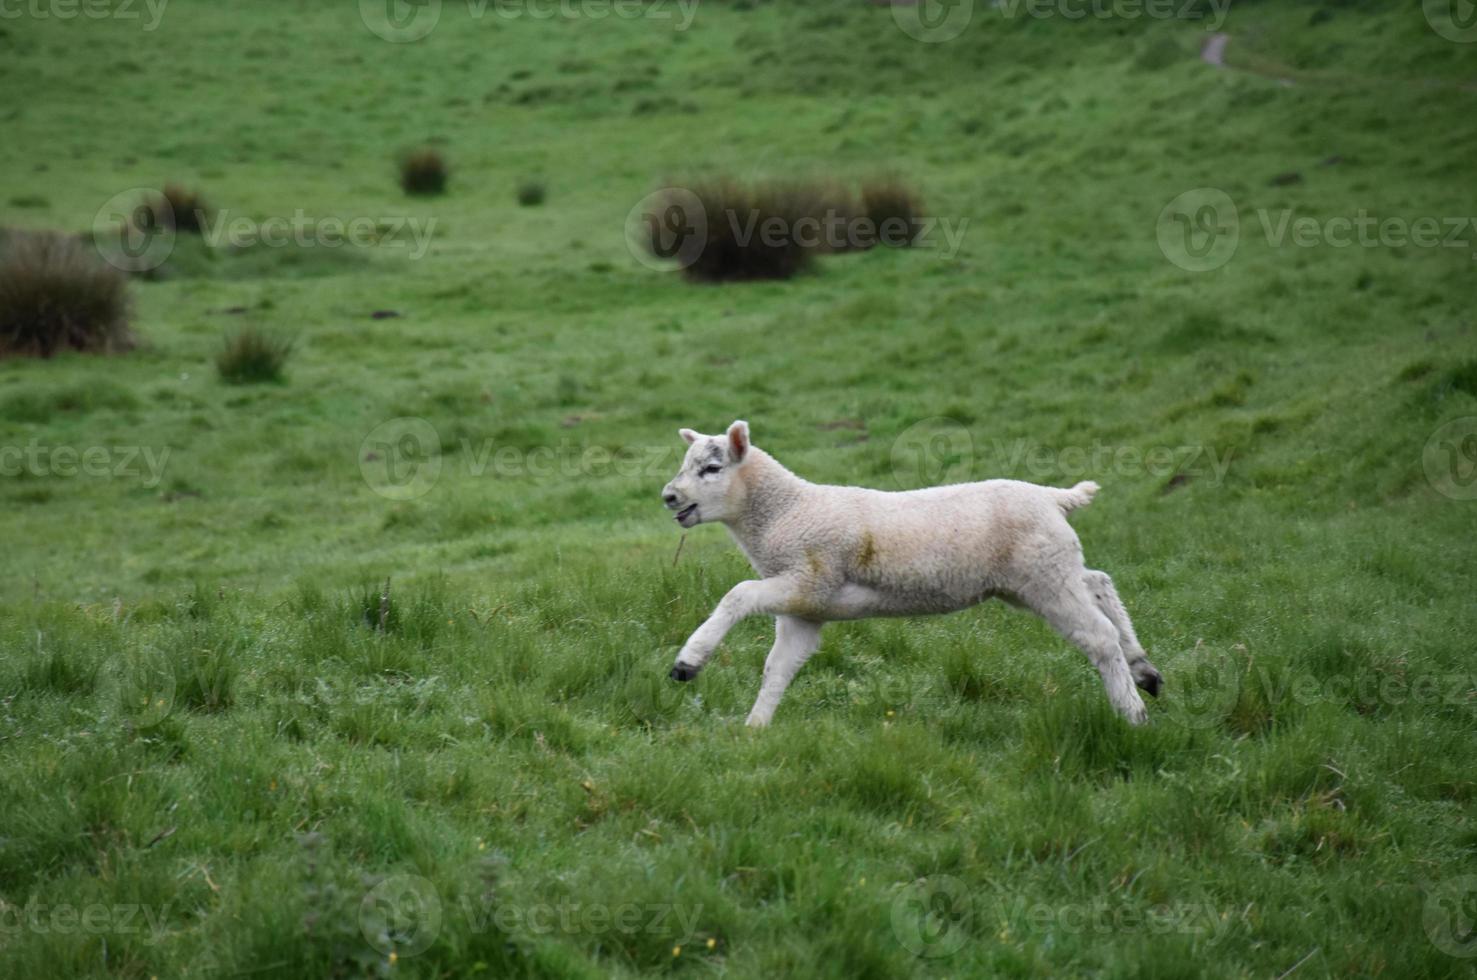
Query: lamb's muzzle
(829, 552)
(687, 514)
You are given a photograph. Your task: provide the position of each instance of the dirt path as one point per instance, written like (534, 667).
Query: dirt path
(1213, 51)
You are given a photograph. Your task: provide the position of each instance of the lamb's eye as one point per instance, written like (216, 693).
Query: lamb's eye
(710, 469)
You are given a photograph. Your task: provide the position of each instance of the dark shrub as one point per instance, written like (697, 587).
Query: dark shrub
(893, 209)
(423, 172)
(740, 232)
(251, 355)
(847, 232)
(531, 193)
(55, 293)
(176, 208)
(1464, 377)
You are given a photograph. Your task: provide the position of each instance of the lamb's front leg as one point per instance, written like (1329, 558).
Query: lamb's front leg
(794, 641)
(770, 596)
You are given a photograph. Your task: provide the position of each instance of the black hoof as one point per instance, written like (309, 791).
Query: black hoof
(1151, 684)
(682, 672)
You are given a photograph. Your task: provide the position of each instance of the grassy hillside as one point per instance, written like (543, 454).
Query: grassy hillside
(202, 719)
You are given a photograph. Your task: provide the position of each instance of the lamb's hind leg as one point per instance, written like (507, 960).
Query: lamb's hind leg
(1072, 611)
(1144, 673)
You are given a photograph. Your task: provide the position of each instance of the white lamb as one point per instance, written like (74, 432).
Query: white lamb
(829, 553)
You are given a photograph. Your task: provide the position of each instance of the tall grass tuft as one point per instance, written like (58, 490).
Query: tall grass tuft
(373, 606)
(56, 293)
(730, 232)
(251, 355)
(206, 676)
(531, 193)
(423, 172)
(176, 208)
(893, 209)
(59, 671)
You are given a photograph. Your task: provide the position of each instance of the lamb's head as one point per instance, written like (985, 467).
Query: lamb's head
(708, 487)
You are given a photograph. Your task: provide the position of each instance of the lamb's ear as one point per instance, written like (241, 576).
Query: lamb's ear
(688, 436)
(738, 439)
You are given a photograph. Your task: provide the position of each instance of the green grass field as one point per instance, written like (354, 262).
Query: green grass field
(224, 753)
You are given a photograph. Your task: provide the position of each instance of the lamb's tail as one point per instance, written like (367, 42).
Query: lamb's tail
(1079, 496)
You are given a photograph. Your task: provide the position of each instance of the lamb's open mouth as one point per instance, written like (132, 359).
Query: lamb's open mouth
(687, 516)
